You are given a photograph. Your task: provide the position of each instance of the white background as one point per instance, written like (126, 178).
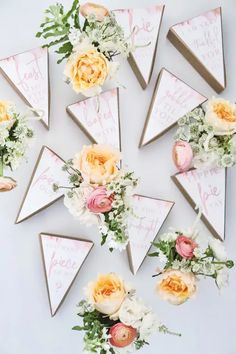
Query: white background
(206, 322)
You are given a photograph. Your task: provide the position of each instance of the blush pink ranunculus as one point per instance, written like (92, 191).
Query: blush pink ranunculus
(182, 155)
(99, 11)
(99, 201)
(7, 184)
(122, 335)
(185, 246)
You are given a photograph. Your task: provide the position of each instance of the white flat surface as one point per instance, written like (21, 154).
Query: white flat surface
(208, 321)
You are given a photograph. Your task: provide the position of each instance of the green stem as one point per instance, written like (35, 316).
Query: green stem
(1, 166)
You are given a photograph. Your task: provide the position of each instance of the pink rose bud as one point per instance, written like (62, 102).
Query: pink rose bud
(185, 246)
(99, 201)
(7, 184)
(89, 8)
(182, 155)
(122, 335)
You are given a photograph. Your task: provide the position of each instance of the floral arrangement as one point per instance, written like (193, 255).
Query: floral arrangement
(14, 141)
(99, 192)
(186, 257)
(207, 138)
(115, 320)
(89, 38)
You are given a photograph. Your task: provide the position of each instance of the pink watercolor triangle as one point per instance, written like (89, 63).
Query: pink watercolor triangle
(143, 227)
(28, 73)
(200, 40)
(62, 259)
(206, 189)
(144, 24)
(172, 99)
(99, 117)
(39, 194)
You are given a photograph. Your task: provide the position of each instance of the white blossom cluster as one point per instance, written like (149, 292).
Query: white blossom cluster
(210, 260)
(208, 149)
(15, 136)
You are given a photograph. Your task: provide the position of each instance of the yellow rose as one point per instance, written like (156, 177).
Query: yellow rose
(107, 293)
(4, 116)
(221, 115)
(176, 287)
(97, 10)
(87, 70)
(97, 163)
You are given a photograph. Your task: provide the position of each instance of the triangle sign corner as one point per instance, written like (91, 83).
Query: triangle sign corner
(39, 193)
(98, 117)
(200, 40)
(172, 99)
(147, 22)
(143, 229)
(206, 189)
(62, 259)
(28, 74)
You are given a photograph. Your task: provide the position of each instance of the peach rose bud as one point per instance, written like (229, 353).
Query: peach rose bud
(7, 184)
(185, 246)
(122, 335)
(90, 8)
(182, 155)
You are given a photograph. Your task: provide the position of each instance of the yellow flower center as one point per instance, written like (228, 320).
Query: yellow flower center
(224, 112)
(4, 116)
(174, 285)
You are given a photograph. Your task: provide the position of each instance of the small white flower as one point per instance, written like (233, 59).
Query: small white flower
(162, 257)
(218, 249)
(222, 278)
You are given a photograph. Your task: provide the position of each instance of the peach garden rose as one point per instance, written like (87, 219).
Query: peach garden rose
(98, 163)
(176, 287)
(98, 11)
(107, 293)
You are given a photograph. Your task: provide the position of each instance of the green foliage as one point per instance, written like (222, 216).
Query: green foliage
(96, 327)
(57, 24)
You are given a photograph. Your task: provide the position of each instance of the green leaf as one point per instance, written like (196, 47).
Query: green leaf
(65, 56)
(65, 48)
(78, 328)
(154, 254)
(70, 12)
(57, 41)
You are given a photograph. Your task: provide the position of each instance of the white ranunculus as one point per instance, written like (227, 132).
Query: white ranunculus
(77, 205)
(222, 278)
(218, 249)
(132, 312)
(148, 326)
(169, 236)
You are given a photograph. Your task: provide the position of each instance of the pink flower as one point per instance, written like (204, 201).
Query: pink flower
(182, 155)
(122, 335)
(185, 246)
(98, 10)
(99, 201)
(7, 184)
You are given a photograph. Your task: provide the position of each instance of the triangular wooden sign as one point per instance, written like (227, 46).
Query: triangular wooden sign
(28, 73)
(143, 227)
(62, 259)
(39, 194)
(172, 99)
(144, 24)
(206, 189)
(99, 117)
(200, 41)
